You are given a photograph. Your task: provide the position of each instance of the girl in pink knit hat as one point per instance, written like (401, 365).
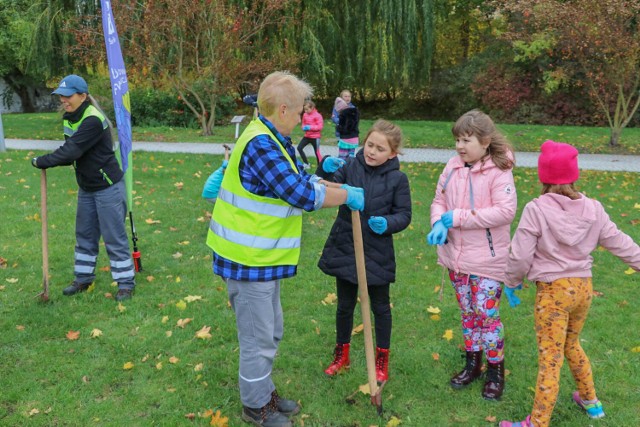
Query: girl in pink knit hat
(552, 247)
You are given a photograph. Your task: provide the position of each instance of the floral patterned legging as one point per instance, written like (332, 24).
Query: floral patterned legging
(560, 312)
(479, 301)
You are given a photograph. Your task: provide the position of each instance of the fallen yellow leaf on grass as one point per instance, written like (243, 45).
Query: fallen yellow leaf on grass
(181, 305)
(635, 349)
(173, 360)
(165, 319)
(435, 356)
(330, 298)
(183, 322)
(73, 335)
(121, 308)
(204, 333)
(127, 366)
(199, 367)
(357, 329)
(433, 310)
(218, 420)
(435, 317)
(448, 335)
(159, 366)
(192, 298)
(11, 280)
(629, 271)
(364, 389)
(490, 418)
(394, 422)
(151, 221)
(95, 333)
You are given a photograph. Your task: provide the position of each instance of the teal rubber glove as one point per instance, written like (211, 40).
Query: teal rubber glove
(213, 183)
(355, 197)
(438, 234)
(332, 164)
(378, 224)
(447, 219)
(513, 299)
(306, 128)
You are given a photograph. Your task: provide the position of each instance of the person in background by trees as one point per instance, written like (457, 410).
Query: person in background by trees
(102, 198)
(388, 211)
(471, 213)
(345, 95)
(348, 132)
(255, 233)
(552, 247)
(312, 124)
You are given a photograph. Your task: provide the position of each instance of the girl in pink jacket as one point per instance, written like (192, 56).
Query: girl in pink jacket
(552, 247)
(471, 213)
(312, 125)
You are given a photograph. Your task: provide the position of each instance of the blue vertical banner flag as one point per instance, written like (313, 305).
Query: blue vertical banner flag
(122, 107)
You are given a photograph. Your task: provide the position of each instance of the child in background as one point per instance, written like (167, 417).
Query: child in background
(471, 213)
(348, 132)
(346, 97)
(387, 211)
(312, 124)
(552, 246)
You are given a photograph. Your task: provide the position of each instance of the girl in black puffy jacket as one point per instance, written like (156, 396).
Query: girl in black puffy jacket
(376, 169)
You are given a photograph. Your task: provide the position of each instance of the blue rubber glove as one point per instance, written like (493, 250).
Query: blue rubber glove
(513, 299)
(332, 164)
(212, 186)
(378, 224)
(447, 219)
(306, 128)
(355, 197)
(438, 234)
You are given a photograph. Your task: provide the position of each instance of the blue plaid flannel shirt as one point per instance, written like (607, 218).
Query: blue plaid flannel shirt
(264, 170)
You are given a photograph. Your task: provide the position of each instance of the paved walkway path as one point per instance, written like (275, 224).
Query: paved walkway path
(608, 162)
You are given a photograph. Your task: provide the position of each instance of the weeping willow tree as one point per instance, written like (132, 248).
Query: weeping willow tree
(377, 48)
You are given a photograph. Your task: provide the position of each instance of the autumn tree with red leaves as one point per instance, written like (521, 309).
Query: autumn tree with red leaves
(201, 48)
(591, 45)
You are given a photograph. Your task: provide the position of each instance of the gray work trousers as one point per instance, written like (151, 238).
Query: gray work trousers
(103, 213)
(260, 328)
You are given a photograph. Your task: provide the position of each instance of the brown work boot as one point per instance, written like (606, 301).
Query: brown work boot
(494, 385)
(382, 364)
(75, 288)
(471, 371)
(341, 360)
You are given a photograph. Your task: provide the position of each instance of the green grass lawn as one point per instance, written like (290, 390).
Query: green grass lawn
(417, 133)
(49, 380)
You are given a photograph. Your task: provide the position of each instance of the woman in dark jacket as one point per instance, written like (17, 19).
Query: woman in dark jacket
(102, 202)
(376, 169)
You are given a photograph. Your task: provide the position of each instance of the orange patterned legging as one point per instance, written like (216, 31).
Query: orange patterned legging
(560, 312)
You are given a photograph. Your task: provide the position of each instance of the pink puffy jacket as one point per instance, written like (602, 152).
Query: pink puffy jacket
(555, 238)
(313, 119)
(484, 203)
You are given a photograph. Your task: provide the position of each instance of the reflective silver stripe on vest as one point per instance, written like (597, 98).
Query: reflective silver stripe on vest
(254, 241)
(68, 131)
(258, 207)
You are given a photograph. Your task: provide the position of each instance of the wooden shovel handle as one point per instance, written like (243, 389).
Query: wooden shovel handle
(364, 301)
(45, 234)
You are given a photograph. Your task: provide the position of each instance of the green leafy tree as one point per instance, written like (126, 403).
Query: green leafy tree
(590, 45)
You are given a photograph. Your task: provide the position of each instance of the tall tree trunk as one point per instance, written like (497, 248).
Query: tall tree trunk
(614, 139)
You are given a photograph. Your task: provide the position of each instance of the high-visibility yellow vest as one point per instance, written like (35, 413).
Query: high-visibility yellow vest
(69, 129)
(249, 229)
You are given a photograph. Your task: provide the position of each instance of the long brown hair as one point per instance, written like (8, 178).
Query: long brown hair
(480, 125)
(568, 190)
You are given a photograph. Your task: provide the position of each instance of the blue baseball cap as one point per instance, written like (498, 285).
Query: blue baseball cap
(70, 85)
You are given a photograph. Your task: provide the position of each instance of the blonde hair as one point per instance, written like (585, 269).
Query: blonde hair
(480, 125)
(345, 91)
(568, 190)
(392, 133)
(282, 87)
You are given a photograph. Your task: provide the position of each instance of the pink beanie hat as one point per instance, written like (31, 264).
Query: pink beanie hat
(558, 163)
(340, 104)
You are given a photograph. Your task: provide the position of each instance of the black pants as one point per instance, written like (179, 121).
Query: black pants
(315, 143)
(380, 306)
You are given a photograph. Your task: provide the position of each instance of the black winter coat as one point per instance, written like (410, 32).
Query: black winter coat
(386, 194)
(348, 121)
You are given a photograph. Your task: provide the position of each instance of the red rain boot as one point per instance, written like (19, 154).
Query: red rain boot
(382, 364)
(341, 360)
